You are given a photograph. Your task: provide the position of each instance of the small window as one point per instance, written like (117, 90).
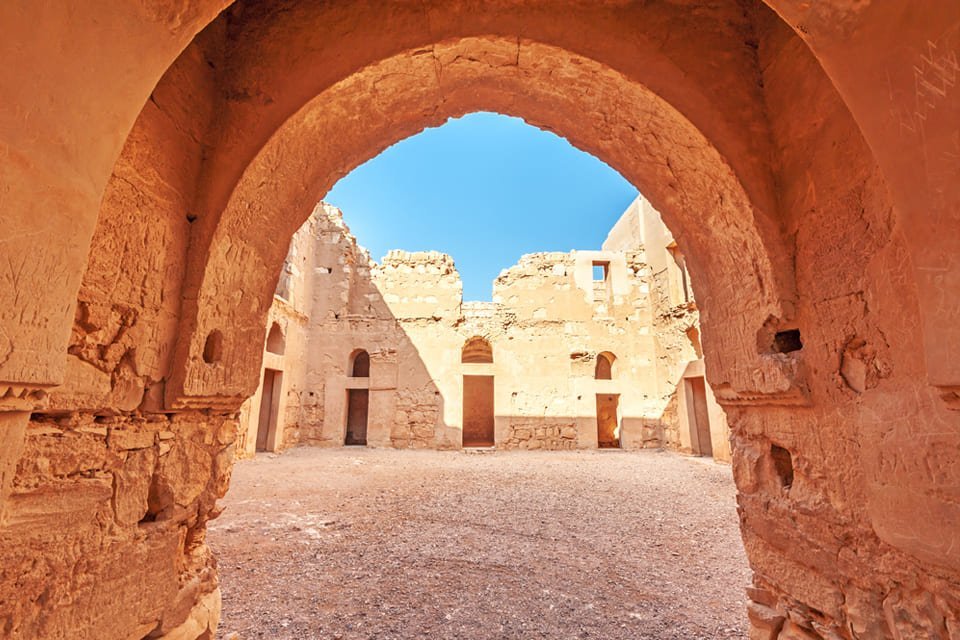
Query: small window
(604, 370)
(600, 271)
(360, 365)
(783, 465)
(476, 350)
(787, 341)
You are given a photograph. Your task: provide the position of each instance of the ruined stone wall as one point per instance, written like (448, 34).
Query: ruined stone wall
(675, 325)
(423, 292)
(102, 535)
(827, 489)
(95, 497)
(546, 329)
(549, 321)
(555, 320)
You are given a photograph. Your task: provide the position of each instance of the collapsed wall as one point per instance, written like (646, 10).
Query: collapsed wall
(553, 318)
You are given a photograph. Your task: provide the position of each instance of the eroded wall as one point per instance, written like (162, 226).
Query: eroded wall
(835, 545)
(675, 327)
(550, 319)
(859, 543)
(107, 479)
(114, 504)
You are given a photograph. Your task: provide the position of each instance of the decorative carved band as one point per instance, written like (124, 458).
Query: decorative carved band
(225, 404)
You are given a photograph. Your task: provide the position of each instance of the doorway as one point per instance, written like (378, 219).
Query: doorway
(607, 422)
(478, 411)
(358, 403)
(698, 416)
(269, 409)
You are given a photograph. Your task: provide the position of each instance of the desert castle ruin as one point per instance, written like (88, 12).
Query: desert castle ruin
(584, 349)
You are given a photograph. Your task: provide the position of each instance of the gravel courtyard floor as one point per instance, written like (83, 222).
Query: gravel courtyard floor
(368, 543)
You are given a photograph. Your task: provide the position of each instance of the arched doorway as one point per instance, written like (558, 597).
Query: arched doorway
(608, 404)
(358, 399)
(478, 393)
(839, 201)
(269, 417)
(698, 416)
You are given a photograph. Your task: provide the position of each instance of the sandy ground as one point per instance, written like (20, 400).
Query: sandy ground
(365, 543)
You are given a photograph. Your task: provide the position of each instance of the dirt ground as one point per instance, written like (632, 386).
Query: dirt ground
(366, 543)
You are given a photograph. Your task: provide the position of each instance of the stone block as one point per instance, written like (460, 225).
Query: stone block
(126, 439)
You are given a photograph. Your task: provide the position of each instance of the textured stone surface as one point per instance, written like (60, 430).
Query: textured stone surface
(108, 506)
(548, 326)
(805, 157)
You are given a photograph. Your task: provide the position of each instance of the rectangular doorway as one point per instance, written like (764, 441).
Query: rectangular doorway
(607, 422)
(269, 409)
(358, 403)
(478, 411)
(698, 416)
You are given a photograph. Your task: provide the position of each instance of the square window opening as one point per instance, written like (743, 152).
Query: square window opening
(600, 271)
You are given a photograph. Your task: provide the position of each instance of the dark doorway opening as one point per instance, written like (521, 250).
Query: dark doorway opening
(478, 420)
(607, 423)
(698, 416)
(358, 402)
(269, 408)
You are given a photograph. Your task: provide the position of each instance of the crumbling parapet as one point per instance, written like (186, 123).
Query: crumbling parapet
(552, 316)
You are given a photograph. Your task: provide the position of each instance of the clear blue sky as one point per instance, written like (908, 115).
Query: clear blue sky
(486, 189)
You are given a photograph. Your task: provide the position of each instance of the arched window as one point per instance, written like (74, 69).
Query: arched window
(276, 343)
(605, 362)
(476, 350)
(360, 364)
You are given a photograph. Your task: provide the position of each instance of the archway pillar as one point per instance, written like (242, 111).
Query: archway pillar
(897, 65)
(13, 429)
(17, 402)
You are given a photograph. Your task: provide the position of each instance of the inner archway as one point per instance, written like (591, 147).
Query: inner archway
(649, 141)
(835, 411)
(656, 148)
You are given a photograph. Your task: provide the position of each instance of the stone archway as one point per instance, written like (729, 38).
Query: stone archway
(655, 147)
(759, 159)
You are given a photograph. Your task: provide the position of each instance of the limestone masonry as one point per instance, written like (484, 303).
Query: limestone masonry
(577, 350)
(157, 157)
